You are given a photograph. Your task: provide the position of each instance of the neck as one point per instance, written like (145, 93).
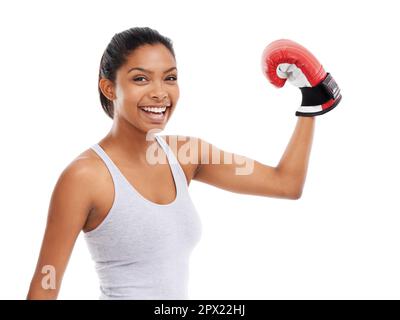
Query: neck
(127, 141)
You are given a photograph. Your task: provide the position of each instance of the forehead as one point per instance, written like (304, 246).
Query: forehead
(152, 57)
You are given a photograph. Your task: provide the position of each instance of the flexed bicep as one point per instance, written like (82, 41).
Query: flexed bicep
(238, 173)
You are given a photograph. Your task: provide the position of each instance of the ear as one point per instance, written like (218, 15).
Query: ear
(107, 88)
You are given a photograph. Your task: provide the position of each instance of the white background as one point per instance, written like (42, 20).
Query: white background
(339, 241)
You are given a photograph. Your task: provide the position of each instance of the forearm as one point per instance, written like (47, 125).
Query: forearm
(37, 292)
(294, 162)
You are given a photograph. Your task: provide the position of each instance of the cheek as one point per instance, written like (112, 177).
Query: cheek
(176, 92)
(133, 95)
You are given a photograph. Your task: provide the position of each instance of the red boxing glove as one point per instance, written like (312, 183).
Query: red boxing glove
(285, 59)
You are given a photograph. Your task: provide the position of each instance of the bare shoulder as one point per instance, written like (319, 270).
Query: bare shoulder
(86, 165)
(81, 177)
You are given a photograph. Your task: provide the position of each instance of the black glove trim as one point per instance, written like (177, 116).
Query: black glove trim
(313, 114)
(321, 93)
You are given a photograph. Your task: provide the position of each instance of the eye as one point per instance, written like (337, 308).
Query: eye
(138, 79)
(172, 78)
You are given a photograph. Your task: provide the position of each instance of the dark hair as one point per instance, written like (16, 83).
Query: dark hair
(121, 45)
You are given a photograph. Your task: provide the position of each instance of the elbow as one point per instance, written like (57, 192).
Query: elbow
(294, 194)
(290, 185)
(291, 189)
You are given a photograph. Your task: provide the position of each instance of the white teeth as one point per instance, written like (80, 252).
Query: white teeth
(155, 109)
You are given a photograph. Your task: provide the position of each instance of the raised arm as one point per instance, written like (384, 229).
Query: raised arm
(69, 207)
(292, 168)
(282, 60)
(248, 176)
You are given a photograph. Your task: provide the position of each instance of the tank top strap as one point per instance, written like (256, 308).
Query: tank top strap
(176, 168)
(112, 168)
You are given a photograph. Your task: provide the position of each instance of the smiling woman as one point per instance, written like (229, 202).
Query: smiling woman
(117, 53)
(137, 216)
(135, 83)
(138, 219)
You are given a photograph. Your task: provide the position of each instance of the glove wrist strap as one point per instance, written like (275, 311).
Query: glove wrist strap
(321, 93)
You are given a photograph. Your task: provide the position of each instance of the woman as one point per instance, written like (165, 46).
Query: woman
(129, 193)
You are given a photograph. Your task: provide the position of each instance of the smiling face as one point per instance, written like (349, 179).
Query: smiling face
(147, 81)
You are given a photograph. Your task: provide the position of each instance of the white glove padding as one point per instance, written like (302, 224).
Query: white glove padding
(294, 74)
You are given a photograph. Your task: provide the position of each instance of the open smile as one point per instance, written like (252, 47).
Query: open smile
(156, 114)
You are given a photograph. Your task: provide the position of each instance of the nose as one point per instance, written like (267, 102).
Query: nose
(158, 92)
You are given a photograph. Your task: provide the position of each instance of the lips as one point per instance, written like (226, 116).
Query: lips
(156, 105)
(154, 117)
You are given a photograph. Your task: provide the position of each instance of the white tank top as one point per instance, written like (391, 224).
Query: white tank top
(141, 249)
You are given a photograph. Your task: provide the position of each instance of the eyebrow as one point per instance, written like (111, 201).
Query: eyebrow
(148, 71)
